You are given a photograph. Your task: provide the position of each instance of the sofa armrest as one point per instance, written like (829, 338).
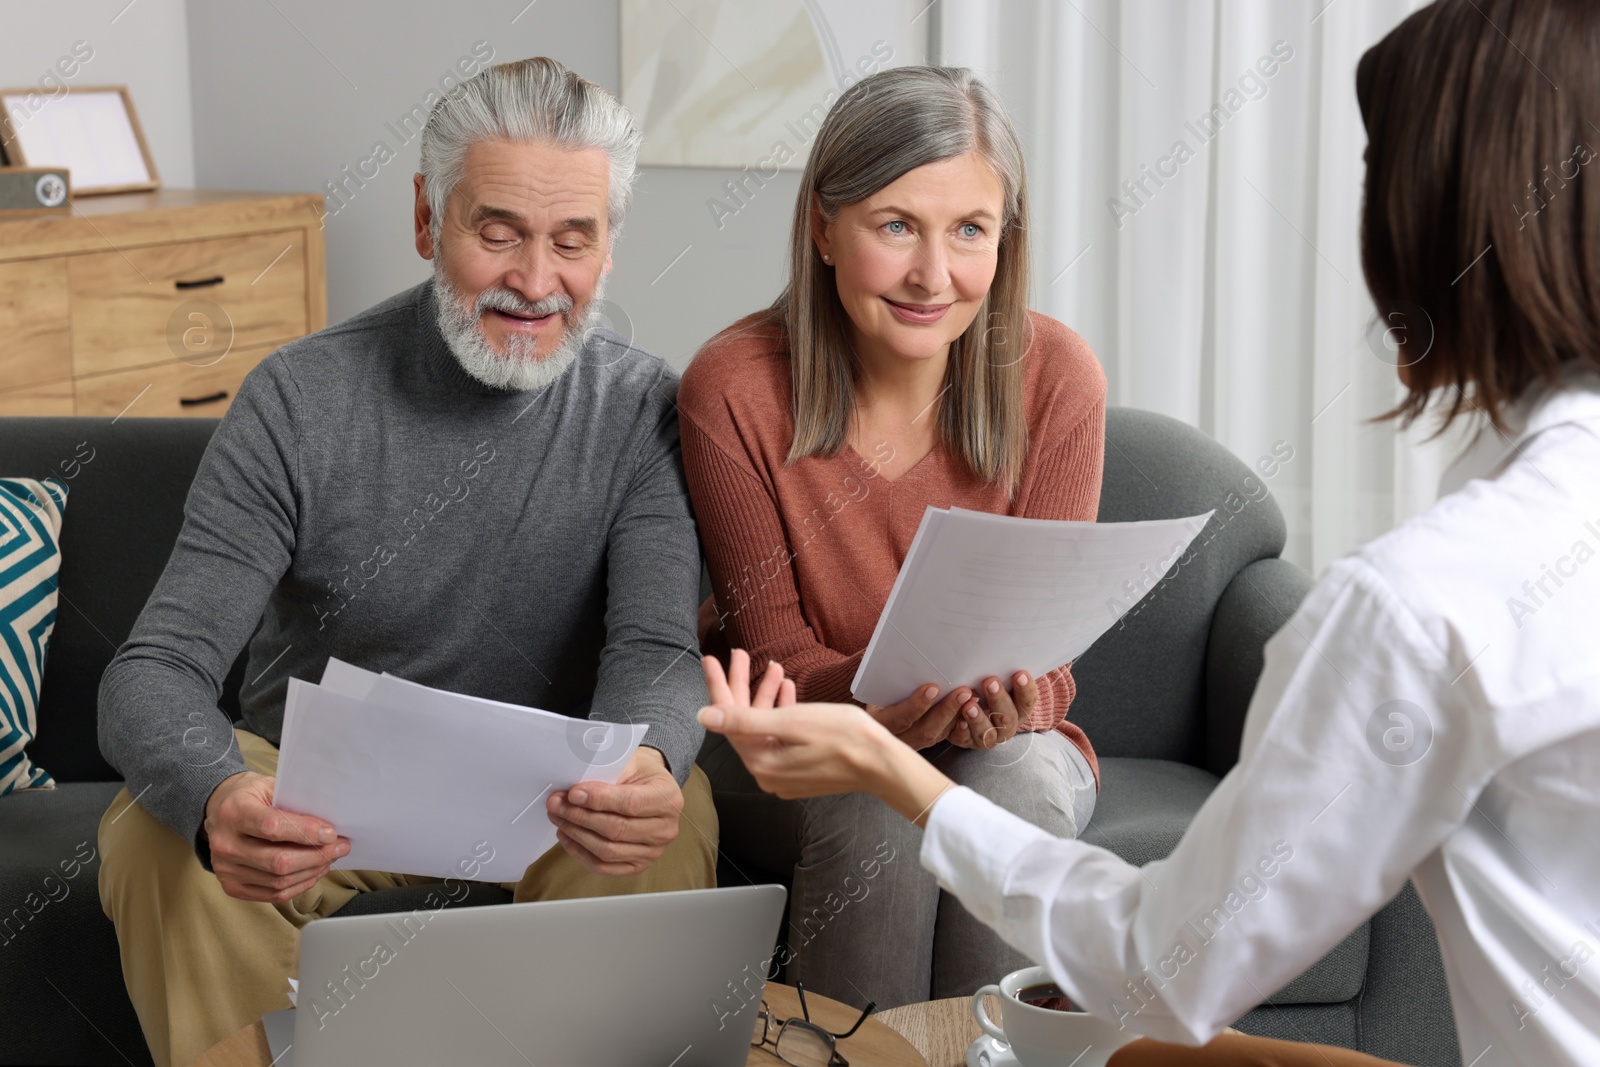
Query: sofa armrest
(1253, 607)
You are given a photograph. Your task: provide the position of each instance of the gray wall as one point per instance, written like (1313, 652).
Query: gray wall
(287, 95)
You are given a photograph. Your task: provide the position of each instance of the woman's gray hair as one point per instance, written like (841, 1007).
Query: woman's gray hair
(881, 128)
(538, 100)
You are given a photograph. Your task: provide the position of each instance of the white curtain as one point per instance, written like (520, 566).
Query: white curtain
(1195, 171)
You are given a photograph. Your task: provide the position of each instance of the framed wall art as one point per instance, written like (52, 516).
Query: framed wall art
(735, 83)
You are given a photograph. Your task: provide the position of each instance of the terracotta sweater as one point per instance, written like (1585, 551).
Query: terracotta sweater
(802, 556)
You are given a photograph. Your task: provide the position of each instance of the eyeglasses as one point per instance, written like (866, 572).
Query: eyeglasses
(801, 1042)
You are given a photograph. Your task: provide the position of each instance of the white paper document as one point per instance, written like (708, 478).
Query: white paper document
(981, 594)
(428, 782)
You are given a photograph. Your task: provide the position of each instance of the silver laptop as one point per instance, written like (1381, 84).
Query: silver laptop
(650, 980)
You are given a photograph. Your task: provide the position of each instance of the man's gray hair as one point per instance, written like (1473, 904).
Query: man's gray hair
(537, 100)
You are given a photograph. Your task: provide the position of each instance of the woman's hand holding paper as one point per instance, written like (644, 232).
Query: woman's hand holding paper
(922, 719)
(1000, 714)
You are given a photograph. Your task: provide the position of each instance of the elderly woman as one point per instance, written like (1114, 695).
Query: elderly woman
(899, 370)
(1432, 712)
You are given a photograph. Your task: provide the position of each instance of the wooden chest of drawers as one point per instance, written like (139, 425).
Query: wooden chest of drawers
(158, 303)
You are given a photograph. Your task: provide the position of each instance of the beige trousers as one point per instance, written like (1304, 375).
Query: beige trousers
(200, 964)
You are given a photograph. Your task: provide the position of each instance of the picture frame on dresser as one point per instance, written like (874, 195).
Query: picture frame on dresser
(93, 130)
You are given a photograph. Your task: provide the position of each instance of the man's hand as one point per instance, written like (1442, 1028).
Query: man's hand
(261, 853)
(620, 829)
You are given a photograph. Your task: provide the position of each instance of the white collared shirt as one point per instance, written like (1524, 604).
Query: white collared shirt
(1431, 712)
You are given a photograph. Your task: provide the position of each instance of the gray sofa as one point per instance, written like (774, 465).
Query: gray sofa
(60, 973)
(1162, 695)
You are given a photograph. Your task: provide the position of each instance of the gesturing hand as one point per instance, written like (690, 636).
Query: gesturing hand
(622, 828)
(808, 750)
(732, 690)
(1000, 715)
(811, 749)
(263, 853)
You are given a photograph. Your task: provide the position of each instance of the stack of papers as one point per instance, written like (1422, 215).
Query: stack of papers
(428, 782)
(981, 594)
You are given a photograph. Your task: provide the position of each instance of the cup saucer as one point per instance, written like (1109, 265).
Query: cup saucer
(987, 1052)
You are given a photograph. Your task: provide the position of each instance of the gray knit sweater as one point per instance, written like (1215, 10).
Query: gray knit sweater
(364, 498)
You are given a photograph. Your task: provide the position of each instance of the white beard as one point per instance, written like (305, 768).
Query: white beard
(518, 368)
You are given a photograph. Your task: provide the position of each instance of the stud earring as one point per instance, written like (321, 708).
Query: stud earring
(826, 258)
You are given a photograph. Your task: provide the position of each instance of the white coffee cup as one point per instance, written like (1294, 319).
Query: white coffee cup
(1042, 1037)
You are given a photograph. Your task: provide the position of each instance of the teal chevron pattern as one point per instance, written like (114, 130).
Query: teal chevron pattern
(30, 559)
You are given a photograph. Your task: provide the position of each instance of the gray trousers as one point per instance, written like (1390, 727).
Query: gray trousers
(866, 922)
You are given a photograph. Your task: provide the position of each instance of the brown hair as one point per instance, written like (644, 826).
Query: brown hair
(1482, 213)
(882, 127)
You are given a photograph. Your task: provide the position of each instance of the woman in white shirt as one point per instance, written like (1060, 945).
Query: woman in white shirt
(1432, 711)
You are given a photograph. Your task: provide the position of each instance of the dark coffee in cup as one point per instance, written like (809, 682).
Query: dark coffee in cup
(1048, 996)
(1041, 1025)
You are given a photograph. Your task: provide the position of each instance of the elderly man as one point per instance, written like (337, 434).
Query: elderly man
(467, 485)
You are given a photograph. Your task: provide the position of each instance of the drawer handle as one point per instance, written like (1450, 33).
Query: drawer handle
(199, 283)
(209, 398)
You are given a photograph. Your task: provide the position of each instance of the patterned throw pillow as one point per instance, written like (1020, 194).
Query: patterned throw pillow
(30, 557)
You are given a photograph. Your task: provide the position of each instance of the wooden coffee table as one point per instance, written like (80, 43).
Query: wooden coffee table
(942, 1030)
(918, 1035)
